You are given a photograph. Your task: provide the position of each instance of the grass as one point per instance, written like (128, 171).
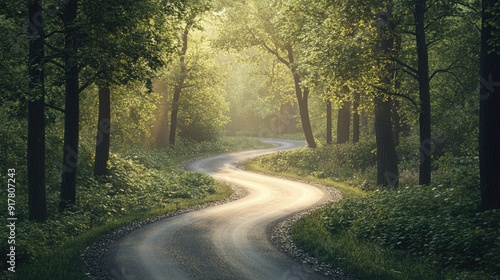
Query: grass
(66, 262)
(345, 189)
(359, 234)
(365, 260)
(144, 184)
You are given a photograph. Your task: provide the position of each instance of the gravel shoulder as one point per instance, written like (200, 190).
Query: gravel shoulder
(97, 257)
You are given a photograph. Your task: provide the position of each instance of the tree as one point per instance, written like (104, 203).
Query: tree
(432, 23)
(180, 84)
(343, 123)
(329, 124)
(132, 51)
(344, 118)
(275, 34)
(387, 160)
(489, 126)
(103, 131)
(425, 94)
(196, 76)
(191, 21)
(356, 119)
(36, 114)
(72, 104)
(118, 43)
(365, 42)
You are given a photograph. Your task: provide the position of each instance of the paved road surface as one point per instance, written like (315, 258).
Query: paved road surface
(229, 241)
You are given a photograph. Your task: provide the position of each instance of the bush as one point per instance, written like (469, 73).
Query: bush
(337, 162)
(440, 222)
(145, 181)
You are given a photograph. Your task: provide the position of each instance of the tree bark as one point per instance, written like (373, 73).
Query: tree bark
(103, 132)
(426, 145)
(396, 119)
(489, 123)
(396, 115)
(329, 124)
(302, 100)
(36, 115)
(178, 87)
(72, 107)
(344, 123)
(356, 119)
(387, 161)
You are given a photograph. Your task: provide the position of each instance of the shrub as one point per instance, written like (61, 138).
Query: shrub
(144, 181)
(440, 222)
(338, 162)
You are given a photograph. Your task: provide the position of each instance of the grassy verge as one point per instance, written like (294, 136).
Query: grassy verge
(345, 189)
(366, 260)
(66, 262)
(363, 259)
(142, 183)
(415, 232)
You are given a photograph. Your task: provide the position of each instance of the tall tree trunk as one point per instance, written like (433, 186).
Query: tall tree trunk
(344, 123)
(304, 117)
(329, 124)
(489, 123)
(179, 86)
(387, 161)
(103, 132)
(426, 146)
(36, 115)
(72, 110)
(356, 119)
(302, 100)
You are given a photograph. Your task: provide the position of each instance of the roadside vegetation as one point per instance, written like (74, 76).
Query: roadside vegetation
(412, 232)
(142, 183)
(93, 94)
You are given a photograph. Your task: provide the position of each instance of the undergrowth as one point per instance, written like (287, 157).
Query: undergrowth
(440, 224)
(139, 181)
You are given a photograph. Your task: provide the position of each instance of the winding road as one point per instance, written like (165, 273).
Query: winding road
(228, 241)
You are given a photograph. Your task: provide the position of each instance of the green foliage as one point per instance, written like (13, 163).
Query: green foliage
(440, 222)
(493, 21)
(202, 107)
(143, 181)
(186, 148)
(197, 123)
(338, 162)
(356, 257)
(131, 115)
(140, 181)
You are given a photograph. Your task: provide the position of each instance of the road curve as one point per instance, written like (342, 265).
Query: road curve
(229, 241)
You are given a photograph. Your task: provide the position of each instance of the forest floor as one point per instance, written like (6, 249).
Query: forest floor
(414, 232)
(143, 183)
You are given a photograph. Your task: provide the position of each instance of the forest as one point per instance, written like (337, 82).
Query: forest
(397, 101)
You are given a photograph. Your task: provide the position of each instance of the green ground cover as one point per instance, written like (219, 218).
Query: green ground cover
(414, 232)
(142, 183)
